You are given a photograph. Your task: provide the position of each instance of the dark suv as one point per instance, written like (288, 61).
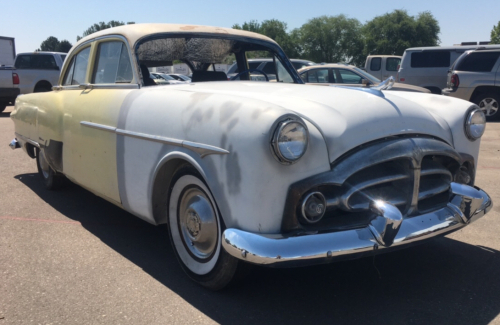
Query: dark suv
(475, 76)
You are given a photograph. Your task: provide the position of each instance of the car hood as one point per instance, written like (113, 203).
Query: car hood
(347, 117)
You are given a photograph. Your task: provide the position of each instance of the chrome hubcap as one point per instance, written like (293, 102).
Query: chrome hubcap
(489, 106)
(44, 165)
(198, 223)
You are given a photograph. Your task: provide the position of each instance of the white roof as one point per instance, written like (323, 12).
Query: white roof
(134, 32)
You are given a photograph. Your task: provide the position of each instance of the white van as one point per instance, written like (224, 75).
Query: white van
(382, 66)
(428, 66)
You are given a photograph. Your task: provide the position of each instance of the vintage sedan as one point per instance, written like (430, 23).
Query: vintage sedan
(270, 173)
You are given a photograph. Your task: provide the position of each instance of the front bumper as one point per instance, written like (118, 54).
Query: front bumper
(385, 231)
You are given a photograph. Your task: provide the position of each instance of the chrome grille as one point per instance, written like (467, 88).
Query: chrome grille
(413, 174)
(395, 182)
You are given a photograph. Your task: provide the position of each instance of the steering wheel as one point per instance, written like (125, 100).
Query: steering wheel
(250, 70)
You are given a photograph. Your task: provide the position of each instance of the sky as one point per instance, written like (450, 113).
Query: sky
(31, 22)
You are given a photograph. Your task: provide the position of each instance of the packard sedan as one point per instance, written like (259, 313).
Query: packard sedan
(269, 173)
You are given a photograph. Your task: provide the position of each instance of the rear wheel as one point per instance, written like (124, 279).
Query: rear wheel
(195, 230)
(51, 179)
(489, 104)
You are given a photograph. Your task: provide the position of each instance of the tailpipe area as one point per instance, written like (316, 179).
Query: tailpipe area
(14, 144)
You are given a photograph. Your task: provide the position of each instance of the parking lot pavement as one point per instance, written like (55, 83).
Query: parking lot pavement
(69, 257)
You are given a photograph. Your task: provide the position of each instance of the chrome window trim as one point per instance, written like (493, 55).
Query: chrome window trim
(134, 84)
(200, 148)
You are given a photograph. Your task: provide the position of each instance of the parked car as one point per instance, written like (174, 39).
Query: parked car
(164, 79)
(38, 71)
(270, 173)
(180, 77)
(340, 74)
(382, 66)
(427, 66)
(475, 76)
(32, 72)
(9, 86)
(265, 65)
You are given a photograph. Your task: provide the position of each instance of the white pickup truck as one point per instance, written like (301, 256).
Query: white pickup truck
(33, 72)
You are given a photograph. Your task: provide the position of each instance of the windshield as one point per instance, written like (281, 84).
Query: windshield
(366, 75)
(202, 53)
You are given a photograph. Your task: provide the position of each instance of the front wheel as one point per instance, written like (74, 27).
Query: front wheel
(489, 104)
(51, 179)
(195, 230)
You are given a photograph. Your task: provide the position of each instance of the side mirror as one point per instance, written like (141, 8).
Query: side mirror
(56, 68)
(365, 82)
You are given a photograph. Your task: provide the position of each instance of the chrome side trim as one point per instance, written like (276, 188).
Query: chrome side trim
(466, 205)
(200, 148)
(98, 126)
(22, 137)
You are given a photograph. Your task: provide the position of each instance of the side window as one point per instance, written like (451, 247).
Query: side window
(478, 62)
(318, 76)
(23, 62)
(430, 59)
(113, 64)
(44, 62)
(349, 77)
(375, 64)
(77, 69)
(269, 68)
(283, 75)
(392, 64)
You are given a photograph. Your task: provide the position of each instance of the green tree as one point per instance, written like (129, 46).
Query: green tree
(274, 29)
(52, 44)
(394, 32)
(102, 25)
(64, 46)
(495, 34)
(332, 39)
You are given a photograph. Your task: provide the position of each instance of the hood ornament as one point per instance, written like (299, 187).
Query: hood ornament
(385, 85)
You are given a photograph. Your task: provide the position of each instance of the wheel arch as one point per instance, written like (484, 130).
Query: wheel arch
(42, 84)
(161, 184)
(484, 90)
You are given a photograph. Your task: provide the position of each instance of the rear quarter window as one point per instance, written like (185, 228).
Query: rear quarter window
(430, 59)
(375, 64)
(478, 62)
(392, 64)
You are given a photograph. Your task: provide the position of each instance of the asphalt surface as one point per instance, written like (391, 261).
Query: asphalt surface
(69, 257)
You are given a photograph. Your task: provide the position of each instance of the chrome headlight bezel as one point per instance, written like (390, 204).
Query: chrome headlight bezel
(473, 129)
(276, 134)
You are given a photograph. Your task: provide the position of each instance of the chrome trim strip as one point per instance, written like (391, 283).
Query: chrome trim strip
(200, 148)
(149, 137)
(466, 205)
(36, 144)
(98, 126)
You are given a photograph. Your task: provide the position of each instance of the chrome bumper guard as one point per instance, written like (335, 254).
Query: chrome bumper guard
(14, 144)
(386, 230)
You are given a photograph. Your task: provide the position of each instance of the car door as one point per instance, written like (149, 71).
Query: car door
(95, 86)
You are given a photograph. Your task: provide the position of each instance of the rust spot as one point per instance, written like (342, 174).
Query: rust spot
(188, 27)
(220, 30)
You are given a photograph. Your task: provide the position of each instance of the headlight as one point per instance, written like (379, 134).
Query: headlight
(475, 124)
(289, 141)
